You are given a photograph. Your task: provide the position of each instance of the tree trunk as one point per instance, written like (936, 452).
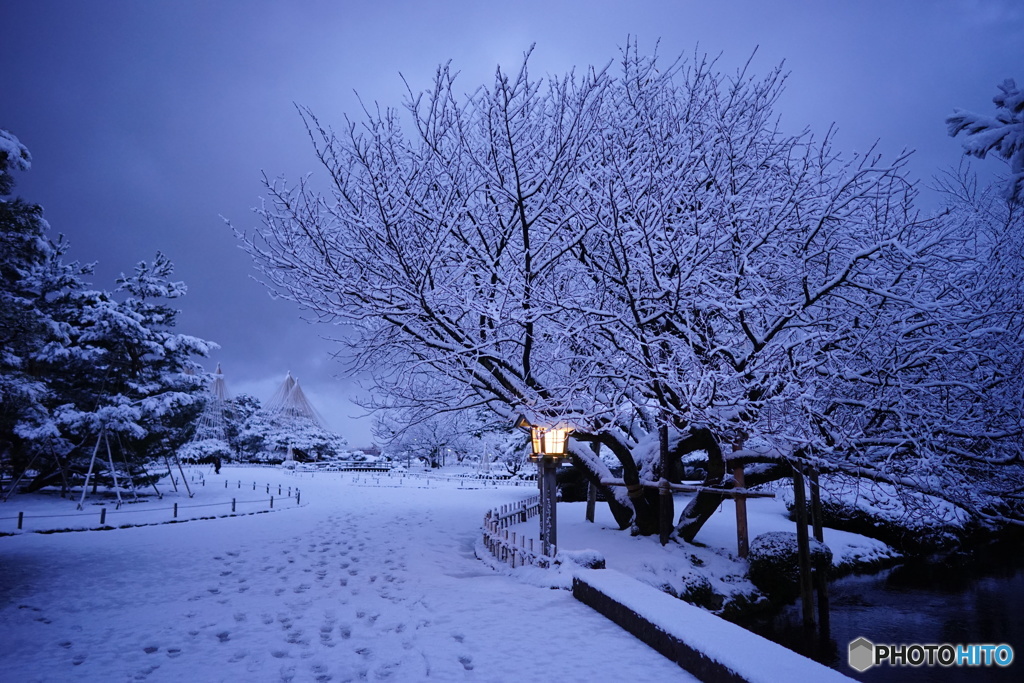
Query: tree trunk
(705, 503)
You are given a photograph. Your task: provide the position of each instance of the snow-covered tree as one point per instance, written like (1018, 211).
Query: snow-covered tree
(436, 438)
(1002, 134)
(78, 362)
(623, 252)
(263, 435)
(39, 295)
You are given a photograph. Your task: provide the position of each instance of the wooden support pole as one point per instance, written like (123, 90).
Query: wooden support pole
(804, 550)
(591, 500)
(591, 486)
(666, 508)
(88, 474)
(816, 514)
(742, 535)
(820, 572)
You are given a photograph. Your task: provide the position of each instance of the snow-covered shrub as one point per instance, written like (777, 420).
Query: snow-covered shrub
(775, 564)
(907, 520)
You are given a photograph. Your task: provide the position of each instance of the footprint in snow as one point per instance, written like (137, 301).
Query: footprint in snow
(144, 673)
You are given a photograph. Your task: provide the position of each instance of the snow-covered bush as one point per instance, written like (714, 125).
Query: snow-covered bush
(775, 564)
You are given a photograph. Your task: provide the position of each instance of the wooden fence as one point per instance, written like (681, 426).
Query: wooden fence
(144, 516)
(511, 547)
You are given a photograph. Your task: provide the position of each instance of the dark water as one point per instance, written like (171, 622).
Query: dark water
(958, 600)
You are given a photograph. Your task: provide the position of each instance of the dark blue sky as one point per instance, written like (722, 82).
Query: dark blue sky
(148, 120)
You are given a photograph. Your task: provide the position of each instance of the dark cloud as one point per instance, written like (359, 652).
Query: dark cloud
(150, 120)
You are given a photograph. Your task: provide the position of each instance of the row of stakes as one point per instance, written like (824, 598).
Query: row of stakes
(234, 501)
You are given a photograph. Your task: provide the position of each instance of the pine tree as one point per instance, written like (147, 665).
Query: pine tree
(78, 363)
(1002, 134)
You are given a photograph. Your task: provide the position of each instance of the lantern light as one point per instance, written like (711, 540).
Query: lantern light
(550, 443)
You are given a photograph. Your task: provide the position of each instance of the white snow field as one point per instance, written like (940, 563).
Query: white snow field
(358, 583)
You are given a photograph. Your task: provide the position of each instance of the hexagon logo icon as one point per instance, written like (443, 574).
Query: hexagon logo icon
(862, 654)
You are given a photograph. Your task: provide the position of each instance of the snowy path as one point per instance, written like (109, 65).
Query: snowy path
(363, 584)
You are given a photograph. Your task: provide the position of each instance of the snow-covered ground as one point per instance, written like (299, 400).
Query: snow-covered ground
(368, 578)
(358, 583)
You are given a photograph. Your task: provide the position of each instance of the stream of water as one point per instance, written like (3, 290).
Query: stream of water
(974, 599)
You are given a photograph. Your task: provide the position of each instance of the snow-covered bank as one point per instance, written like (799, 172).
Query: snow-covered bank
(708, 572)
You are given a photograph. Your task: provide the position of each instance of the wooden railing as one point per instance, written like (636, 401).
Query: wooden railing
(514, 548)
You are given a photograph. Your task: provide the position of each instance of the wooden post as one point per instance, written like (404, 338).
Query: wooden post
(591, 500)
(742, 535)
(803, 549)
(21, 519)
(271, 502)
(591, 486)
(820, 572)
(232, 504)
(543, 507)
(549, 497)
(103, 517)
(666, 506)
(816, 518)
(175, 511)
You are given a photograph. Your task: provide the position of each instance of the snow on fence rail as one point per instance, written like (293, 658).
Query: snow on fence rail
(510, 547)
